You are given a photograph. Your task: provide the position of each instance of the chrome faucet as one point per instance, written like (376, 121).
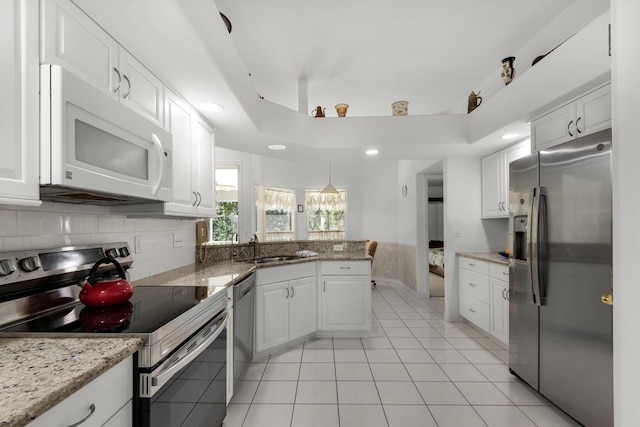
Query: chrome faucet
(234, 239)
(256, 246)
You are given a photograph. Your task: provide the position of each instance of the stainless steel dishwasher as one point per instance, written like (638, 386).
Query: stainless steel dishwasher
(243, 315)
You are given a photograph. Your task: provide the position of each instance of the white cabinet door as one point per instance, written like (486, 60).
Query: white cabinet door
(587, 114)
(555, 127)
(98, 402)
(272, 315)
(499, 310)
(203, 167)
(19, 115)
(179, 121)
(73, 40)
(123, 418)
(302, 307)
(492, 183)
(594, 111)
(140, 90)
(346, 303)
(495, 179)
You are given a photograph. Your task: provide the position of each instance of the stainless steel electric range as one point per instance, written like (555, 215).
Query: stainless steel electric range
(181, 370)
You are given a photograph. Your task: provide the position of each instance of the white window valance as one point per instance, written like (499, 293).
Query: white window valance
(270, 198)
(315, 200)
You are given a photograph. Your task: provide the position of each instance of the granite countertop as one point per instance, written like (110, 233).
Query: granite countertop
(39, 373)
(226, 273)
(486, 256)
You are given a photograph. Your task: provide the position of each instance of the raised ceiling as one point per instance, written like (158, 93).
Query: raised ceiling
(370, 53)
(364, 53)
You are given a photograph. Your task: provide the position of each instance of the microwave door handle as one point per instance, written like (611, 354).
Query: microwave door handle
(160, 149)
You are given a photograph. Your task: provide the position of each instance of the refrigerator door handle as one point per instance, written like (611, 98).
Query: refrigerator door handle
(538, 245)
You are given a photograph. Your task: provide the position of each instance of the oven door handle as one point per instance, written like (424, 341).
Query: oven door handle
(193, 351)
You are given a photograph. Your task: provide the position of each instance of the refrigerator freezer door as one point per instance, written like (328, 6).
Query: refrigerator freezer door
(523, 314)
(575, 326)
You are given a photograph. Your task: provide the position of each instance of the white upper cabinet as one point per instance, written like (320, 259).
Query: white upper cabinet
(495, 179)
(203, 167)
(19, 118)
(73, 40)
(587, 114)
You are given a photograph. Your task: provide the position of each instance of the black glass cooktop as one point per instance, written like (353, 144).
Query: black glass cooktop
(150, 308)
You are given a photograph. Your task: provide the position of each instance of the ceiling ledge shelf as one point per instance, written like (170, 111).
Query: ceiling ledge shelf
(575, 67)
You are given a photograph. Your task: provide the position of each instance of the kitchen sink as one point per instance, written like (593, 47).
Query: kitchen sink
(278, 258)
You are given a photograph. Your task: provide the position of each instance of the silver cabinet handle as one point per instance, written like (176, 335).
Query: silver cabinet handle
(569, 128)
(115, 89)
(503, 296)
(92, 409)
(324, 286)
(345, 268)
(505, 273)
(292, 292)
(195, 202)
(577, 127)
(124, 76)
(199, 198)
(287, 293)
(472, 310)
(472, 284)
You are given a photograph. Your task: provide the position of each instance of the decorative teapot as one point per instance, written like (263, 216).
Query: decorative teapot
(474, 101)
(318, 112)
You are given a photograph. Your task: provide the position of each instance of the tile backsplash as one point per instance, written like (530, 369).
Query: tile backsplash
(59, 224)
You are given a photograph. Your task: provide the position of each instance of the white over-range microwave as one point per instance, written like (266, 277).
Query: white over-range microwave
(93, 149)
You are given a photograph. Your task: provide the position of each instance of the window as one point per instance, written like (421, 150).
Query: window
(326, 215)
(275, 213)
(225, 224)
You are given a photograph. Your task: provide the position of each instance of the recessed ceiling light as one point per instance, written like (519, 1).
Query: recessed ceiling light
(210, 107)
(371, 152)
(277, 147)
(510, 135)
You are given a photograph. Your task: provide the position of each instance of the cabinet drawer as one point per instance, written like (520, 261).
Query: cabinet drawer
(109, 392)
(499, 271)
(481, 267)
(345, 267)
(477, 312)
(282, 273)
(474, 284)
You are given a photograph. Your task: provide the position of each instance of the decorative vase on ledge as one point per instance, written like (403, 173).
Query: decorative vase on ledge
(508, 72)
(342, 109)
(400, 108)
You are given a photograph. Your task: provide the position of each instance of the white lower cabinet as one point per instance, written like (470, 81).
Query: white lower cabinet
(285, 309)
(105, 401)
(484, 296)
(345, 296)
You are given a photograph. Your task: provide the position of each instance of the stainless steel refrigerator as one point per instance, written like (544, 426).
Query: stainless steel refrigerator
(560, 282)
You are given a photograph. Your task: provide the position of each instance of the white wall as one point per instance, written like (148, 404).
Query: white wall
(463, 228)
(59, 224)
(380, 192)
(626, 206)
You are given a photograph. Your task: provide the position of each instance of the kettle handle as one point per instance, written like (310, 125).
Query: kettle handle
(106, 260)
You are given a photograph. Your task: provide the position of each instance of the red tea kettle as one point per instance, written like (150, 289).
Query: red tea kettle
(105, 292)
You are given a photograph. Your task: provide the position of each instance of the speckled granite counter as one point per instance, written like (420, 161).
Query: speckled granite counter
(226, 273)
(39, 373)
(486, 256)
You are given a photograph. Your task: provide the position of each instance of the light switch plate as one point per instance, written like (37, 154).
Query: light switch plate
(137, 244)
(177, 240)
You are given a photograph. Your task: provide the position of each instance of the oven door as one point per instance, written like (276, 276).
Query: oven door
(91, 141)
(188, 388)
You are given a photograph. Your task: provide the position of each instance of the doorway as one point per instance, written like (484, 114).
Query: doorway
(430, 227)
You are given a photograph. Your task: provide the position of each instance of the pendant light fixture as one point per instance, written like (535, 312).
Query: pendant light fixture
(329, 189)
